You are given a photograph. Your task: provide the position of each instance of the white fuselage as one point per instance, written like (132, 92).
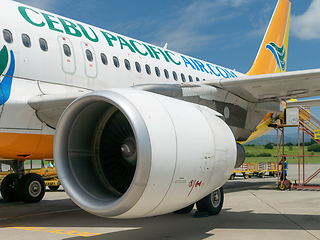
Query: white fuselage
(54, 55)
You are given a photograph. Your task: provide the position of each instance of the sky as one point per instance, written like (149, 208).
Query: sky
(224, 32)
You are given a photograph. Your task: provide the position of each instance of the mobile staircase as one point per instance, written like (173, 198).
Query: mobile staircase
(307, 124)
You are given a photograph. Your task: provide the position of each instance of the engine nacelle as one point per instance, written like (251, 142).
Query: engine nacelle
(127, 153)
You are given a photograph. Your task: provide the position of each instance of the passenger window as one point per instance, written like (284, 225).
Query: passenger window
(7, 35)
(116, 62)
(127, 64)
(43, 44)
(183, 78)
(89, 55)
(190, 78)
(175, 77)
(157, 71)
(148, 69)
(66, 50)
(26, 40)
(166, 73)
(138, 67)
(197, 79)
(104, 59)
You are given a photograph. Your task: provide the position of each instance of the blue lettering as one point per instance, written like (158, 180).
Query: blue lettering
(230, 73)
(201, 65)
(195, 64)
(187, 62)
(211, 67)
(222, 72)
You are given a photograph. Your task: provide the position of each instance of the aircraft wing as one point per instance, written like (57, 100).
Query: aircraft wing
(304, 103)
(50, 107)
(266, 87)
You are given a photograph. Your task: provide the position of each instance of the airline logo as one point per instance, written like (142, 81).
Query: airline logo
(6, 83)
(279, 54)
(74, 29)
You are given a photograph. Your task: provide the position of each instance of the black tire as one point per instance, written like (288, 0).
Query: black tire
(232, 176)
(31, 188)
(282, 186)
(9, 188)
(212, 204)
(185, 210)
(54, 188)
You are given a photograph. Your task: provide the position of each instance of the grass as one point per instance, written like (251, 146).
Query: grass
(258, 149)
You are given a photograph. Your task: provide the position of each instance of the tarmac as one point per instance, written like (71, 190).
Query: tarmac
(253, 209)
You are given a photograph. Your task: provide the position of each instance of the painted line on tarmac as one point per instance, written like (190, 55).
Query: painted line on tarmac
(283, 214)
(39, 214)
(56, 231)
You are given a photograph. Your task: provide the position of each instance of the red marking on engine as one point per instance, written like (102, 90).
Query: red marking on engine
(193, 184)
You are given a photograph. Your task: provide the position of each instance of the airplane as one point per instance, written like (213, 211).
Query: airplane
(135, 130)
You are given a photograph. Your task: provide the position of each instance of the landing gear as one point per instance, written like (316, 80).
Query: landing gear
(212, 204)
(54, 188)
(29, 188)
(9, 188)
(185, 210)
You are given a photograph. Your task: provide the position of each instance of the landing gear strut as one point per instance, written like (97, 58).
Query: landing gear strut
(209, 205)
(29, 188)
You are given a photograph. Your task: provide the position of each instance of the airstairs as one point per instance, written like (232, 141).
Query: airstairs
(308, 125)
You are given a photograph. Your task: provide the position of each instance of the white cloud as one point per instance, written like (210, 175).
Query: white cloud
(307, 25)
(193, 28)
(237, 3)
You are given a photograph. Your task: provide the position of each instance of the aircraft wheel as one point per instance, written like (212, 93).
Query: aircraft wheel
(31, 188)
(54, 188)
(185, 210)
(8, 188)
(212, 204)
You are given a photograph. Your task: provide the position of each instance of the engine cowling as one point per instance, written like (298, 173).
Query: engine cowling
(127, 153)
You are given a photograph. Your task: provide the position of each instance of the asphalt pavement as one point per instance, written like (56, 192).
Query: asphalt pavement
(253, 209)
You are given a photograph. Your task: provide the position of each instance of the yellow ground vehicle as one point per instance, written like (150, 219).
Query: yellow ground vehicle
(255, 169)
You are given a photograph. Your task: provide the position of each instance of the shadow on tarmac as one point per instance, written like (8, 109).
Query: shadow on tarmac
(65, 214)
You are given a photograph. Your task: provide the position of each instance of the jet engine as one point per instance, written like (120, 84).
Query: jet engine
(127, 153)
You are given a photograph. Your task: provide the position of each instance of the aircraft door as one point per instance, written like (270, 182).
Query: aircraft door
(89, 60)
(67, 53)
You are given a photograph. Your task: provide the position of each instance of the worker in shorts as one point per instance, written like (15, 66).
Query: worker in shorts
(284, 169)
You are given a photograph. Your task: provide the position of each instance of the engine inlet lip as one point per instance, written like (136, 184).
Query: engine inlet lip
(65, 171)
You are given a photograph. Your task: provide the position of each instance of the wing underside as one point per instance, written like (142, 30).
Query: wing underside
(269, 87)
